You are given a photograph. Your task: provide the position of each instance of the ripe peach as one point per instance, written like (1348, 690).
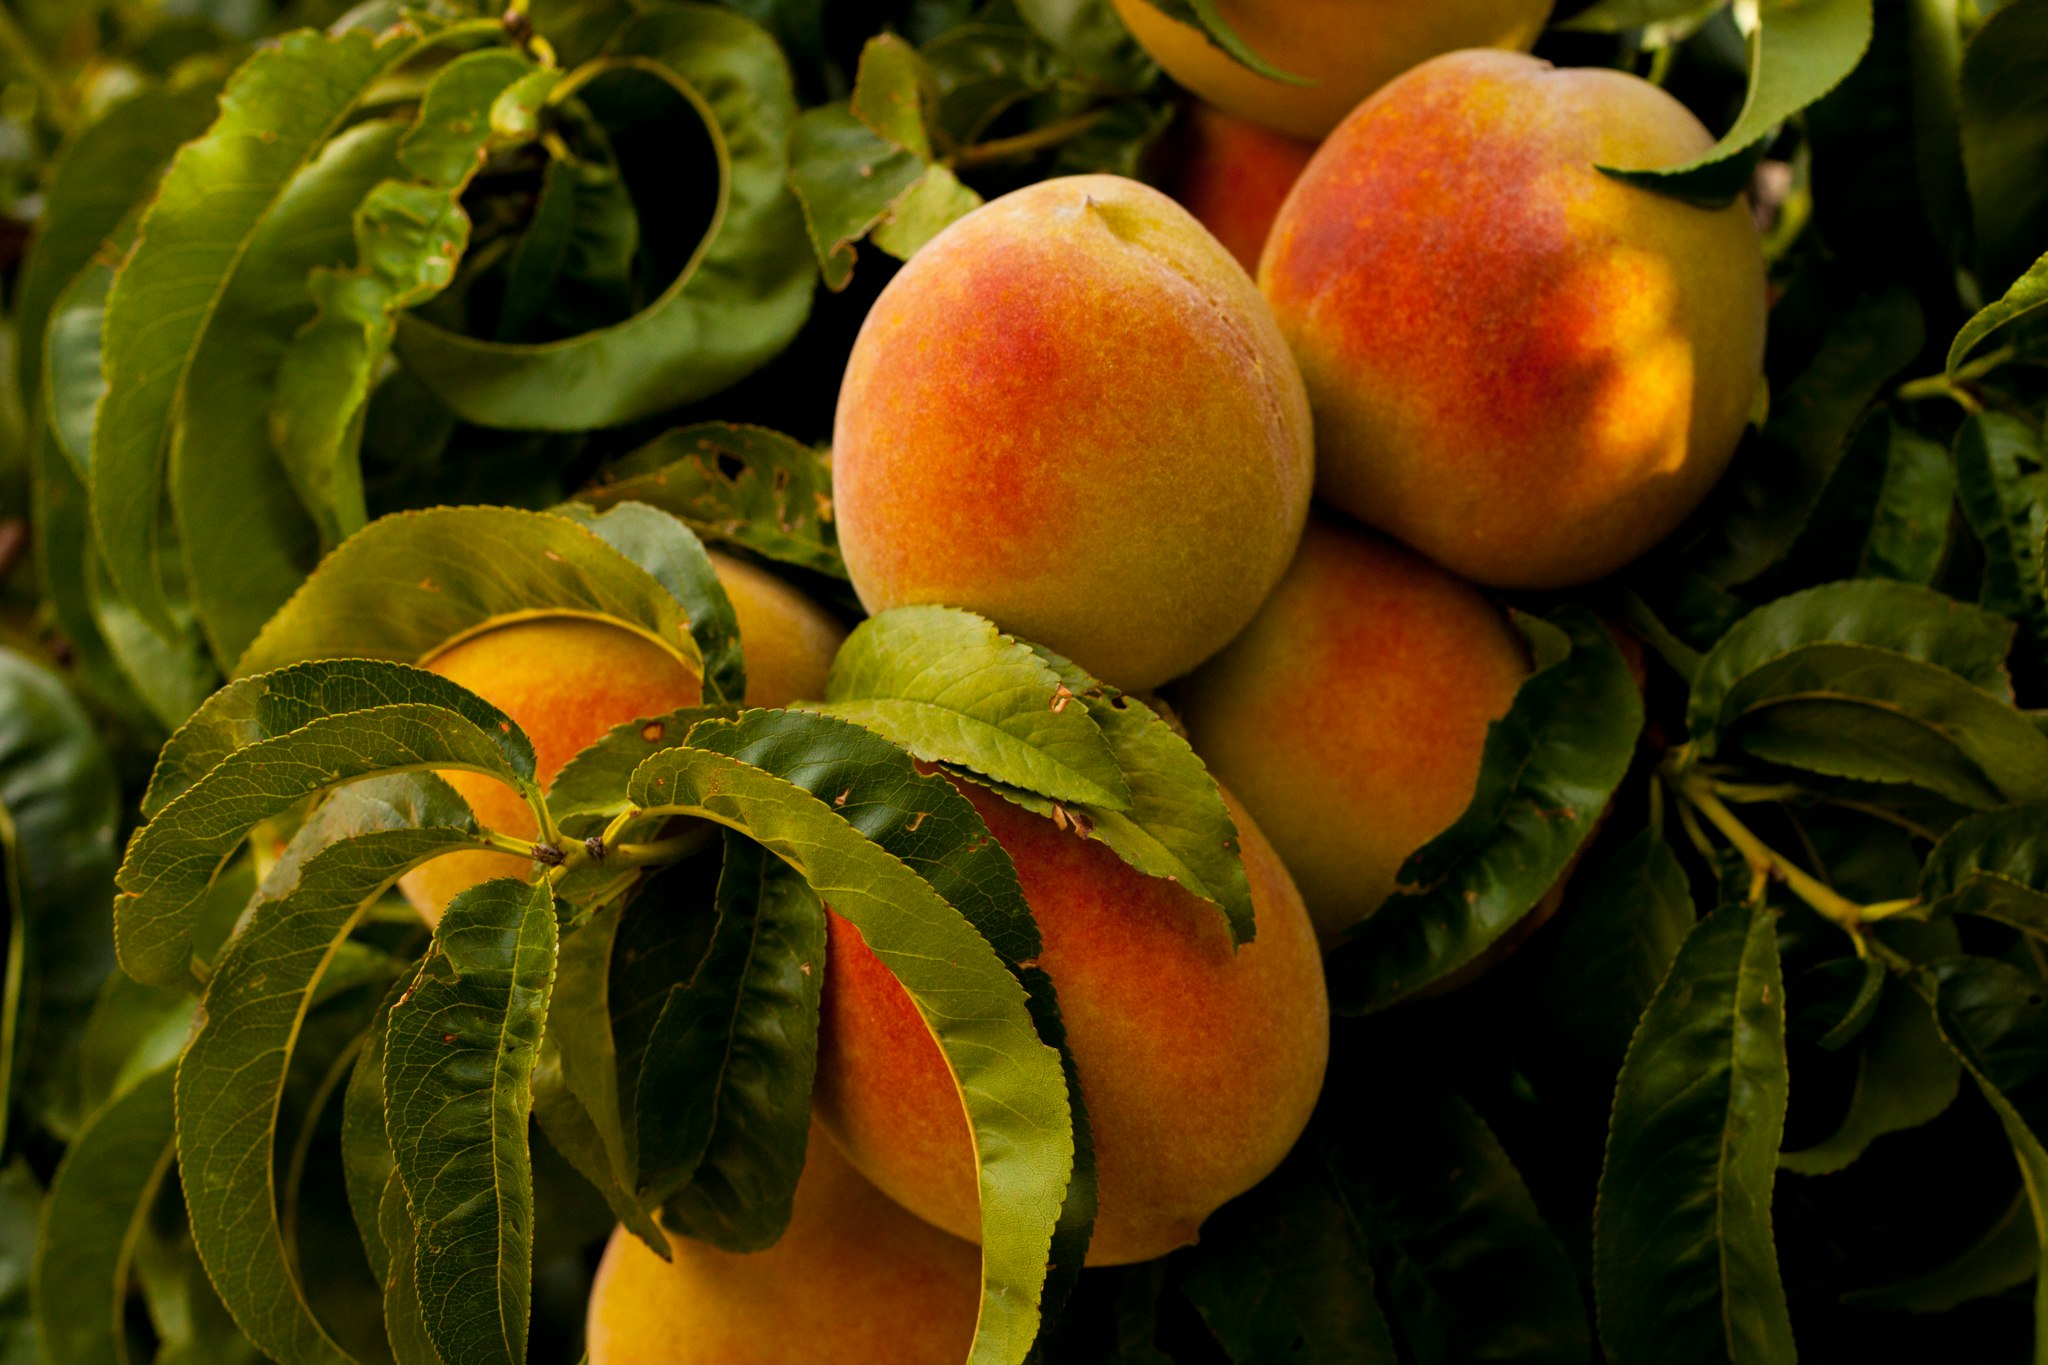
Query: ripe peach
(1233, 176)
(1351, 716)
(1199, 1066)
(855, 1280)
(1349, 48)
(567, 680)
(1527, 370)
(1072, 413)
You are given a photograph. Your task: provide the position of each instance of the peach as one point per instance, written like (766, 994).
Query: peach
(855, 1280)
(1351, 716)
(566, 680)
(1526, 369)
(1347, 48)
(1072, 413)
(1199, 1066)
(1233, 176)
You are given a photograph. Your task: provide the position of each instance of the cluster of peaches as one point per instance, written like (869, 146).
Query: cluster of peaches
(1076, 413)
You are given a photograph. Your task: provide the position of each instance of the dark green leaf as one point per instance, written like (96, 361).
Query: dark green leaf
(2003, 490)
(1684, 1267)
(670, 551)
(59, 804)
(1624, 920)
(21, 1204)
(1618, 16)
(2007, 1254)
(1551, 765)
(404, 1325)
(231, 1083)
(458, 1091)
(744, 294)
(1779, 476)
(593, 783)
(747, 1025)
(1995, 865)
(1905, 1076)
(950, 688)
(366, 1162)
(1799, 50)
(747, 486)
(100, 1195)
(1207, 18)
(2004, 119)
(1909, 521)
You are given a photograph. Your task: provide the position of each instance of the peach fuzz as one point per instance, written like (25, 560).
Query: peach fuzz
(1526, 369)
(1347, 48)
(855, 1280)
(566, 680)
(1233, 176)
(1073, 413)
(1351, 716)
(1199, 1067)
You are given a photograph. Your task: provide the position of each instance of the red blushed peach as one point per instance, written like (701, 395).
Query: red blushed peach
(1072, 413)
(565, 681)
(1351, 716)
(1526, 369)
(1346, 48)
(1199, 1066)
(854, 1280)
(1233, 175)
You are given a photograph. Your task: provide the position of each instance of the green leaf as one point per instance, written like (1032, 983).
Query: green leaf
(867, 169)
(72, 380)
(1935, 61)
(134, 1030)
(744, 294)
(458, 1090)
(2003, 489)
(1995, 865)
(1177, 825)
(1011, 1084)
(670, 551)
(1088, 34)
(232, 1080)
(1285, 1273)
(1905, 1076)
(409, 235)
(91, 1218)
(1994, 1016)
(2004, 125)
(747, 1025)
(746, 486)
(1899, 618)
(173, 859)
(63, 544)
(408, 584)
(276, 115)
(1684, 1267)
(245, 534)
(1625, 919)
(105, 169)
(59, 804)
(271, 705)
(1798, 51)
(950, 688)
(1550, 766)
(574, 262)
(2028, 293)
(593, 783)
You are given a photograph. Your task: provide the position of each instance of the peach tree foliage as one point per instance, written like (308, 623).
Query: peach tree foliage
(301, 278)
